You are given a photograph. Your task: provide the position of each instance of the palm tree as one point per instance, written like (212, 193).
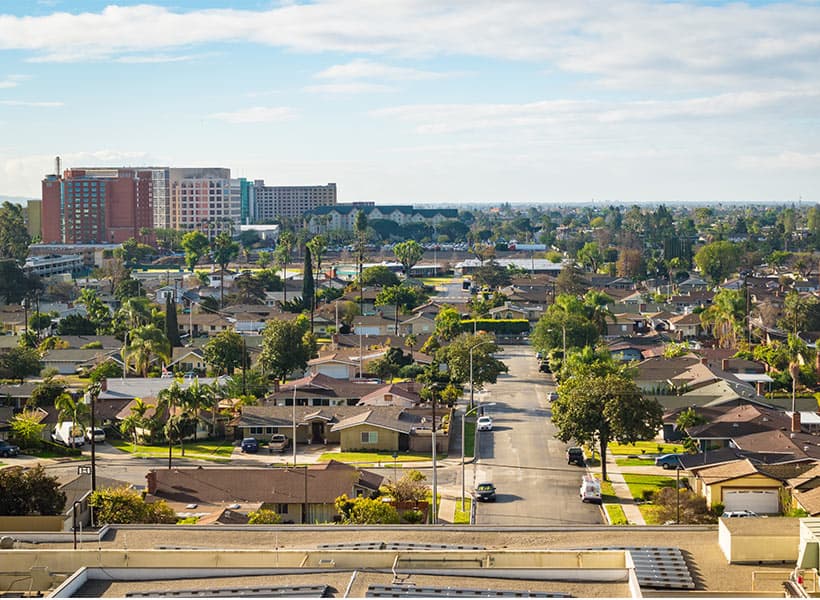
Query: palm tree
(136, 311)
(796, 349)
(71, 409)
(725, 317)
(168, 400)
(317, 247)
(595, 304)
(282, 258)
(144, 344)
(410, 340)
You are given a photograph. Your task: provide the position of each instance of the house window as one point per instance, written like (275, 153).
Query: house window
(281, 509)
(272, 430)
(257, 430)
(370, 437)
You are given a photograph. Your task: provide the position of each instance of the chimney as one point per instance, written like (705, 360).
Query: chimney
(388, 398)
(796, 422)
(275, 385)
(104, 385)
(152, 482)
(724, 364)
(703, 360)
(761, 388)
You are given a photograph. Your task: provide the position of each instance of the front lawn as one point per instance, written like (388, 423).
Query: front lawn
(214, 451)
(616, 514)
(639, 483)
(639, 448)
(607, 491)
(378, 458)
(650, 514)
(469, 439)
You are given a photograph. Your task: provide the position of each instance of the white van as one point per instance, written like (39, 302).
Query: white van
(590, 490)
(68, 434)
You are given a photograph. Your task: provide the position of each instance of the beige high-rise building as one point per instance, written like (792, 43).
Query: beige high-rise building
(272, 202)
(203, 199)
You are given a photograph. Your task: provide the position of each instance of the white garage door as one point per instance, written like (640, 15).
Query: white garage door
(759, 501)
(335, 371)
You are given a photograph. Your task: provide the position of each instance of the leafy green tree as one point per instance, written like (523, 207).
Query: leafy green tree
(29, 492)
(46, 392)
(284, 348)
(686, 419)
(264, 516)
(360, 233)
(19, 363)
(282, 257)
(127, 288)
(596, 309)
(15, 285)
(570, 280)
(144, 344)
(255, 385)
(96, 310)
(412, 487)
(126, 506)
(171, 323)
(688, 504)
(557, 326)
(366, 511)
(408, 253)
(224, 250)
(39, 321)
(456, 355)
(675, 350)
(405, 297)
(225, 351)
(594, 408)
(76, 325)
(26, 428)
(379, 276)
(195, 245)
(590, 256)
(800, 313)
(492, 275)
(264, 258)
(14, 237)
(448, 323)
(718, 260)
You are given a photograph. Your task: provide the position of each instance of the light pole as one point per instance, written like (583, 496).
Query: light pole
(463, 419)
(294, 426)
(471, 367)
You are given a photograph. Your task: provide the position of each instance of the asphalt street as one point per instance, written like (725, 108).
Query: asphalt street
(521, 455)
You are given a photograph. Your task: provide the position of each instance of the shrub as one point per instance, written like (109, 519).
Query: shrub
(693, 509)
(264, 516)
(500, 326)
(414, 517)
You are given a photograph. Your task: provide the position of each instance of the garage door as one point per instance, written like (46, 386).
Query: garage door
(759, 501)
(335, 371)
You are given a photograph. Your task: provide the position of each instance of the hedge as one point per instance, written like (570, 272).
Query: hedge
(501, 326)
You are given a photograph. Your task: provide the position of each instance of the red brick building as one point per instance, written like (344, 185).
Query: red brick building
(97, 205)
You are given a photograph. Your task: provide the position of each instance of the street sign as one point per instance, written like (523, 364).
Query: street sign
(84, 470)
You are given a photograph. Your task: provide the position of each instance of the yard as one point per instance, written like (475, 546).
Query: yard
(469, 438)
(641, 485)
(616, 514)
(214, 451)
(639, 448)
(377, 458)
(635, 462)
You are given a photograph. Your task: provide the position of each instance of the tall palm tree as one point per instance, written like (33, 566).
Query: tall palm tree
(136, 311)
(796, 349)
(282, 257)
(595, 304)
(72, 409)
(168, 400)
(136, 419)
(144, 344)
(725, 317)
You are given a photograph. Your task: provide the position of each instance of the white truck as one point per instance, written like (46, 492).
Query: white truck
(68, 434)
(590, 490)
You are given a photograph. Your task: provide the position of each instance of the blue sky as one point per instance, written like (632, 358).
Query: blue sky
(424, 101)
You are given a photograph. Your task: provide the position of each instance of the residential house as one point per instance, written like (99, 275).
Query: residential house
(685, 326)
(335, 365)
(299, 495)
(16, 395)
(739, 485)
(805, 491)
(420, 323)
(188, 360)
(395, 394)
(374, 325)
(627, 324)
(205, 324)
(319, 389)
(693, 284)
(69, 361)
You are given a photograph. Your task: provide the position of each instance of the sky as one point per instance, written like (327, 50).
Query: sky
(424, 101)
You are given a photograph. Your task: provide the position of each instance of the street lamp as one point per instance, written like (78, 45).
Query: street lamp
(294, 426)
(463, 419)
(90, 398)
(471, 367)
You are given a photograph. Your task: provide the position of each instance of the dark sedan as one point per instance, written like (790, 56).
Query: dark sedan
(7, 450)
(485, 492)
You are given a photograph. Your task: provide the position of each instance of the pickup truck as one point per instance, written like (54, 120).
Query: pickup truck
(278, 442)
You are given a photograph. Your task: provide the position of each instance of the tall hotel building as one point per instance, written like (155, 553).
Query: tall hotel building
(97, 205)
(205, 199)
(292, 202)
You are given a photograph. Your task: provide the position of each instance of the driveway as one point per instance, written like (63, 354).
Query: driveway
(522, 456)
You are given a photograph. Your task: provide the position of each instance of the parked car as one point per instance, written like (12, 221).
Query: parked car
(250, 445)
(278, 442)
(539, 355)
(68, 434)
(739, 513)
(99, 434)
(668, 461)
(575, 455)
(485, 492)
(484, 423)
(8, 450)
(590, 490)
(552, 396)
(544, 367)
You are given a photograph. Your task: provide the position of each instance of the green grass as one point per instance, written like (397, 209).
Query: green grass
(385, 458)
(463, 517)
(639, 448)
(650, 514)
(638, 483)
(616, 514)
(438, 280)
(214, 451)
(607, 491)
(634, 462)
(469, 439)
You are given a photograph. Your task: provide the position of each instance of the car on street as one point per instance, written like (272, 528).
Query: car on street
(575, 455)
(99, 434)
(250, 445)
(484, 423)
(739, 513)
(8, 450)
(668, 461)
(552, 396)
(539, 355)
(544, 367)
(590, 490)
(485, 492)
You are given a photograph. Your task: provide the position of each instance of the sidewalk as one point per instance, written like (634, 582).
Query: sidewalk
(625, 499)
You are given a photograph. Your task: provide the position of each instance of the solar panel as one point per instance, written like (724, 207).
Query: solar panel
(658, 567)
(411, 591)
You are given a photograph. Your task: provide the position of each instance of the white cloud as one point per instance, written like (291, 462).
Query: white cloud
(358, 87)
(641, 43)
(368, 69)
(790, 161)
(12, 81)
(31, 104)
(159, 58)
(256, 114)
